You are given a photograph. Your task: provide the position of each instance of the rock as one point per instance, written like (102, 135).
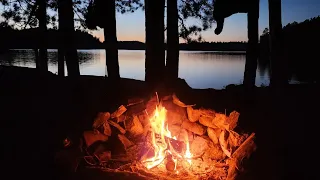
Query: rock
(91, 137)
(193, 114)
(101, 118)
(198, 146)
(193, 127)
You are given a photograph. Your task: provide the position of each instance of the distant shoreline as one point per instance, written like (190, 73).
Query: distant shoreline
(185, 50)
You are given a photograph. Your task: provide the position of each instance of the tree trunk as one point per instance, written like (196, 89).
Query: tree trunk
(36, 55)
(61, 54)
(252, 47)
(172, 40)
(279, 70)
(110, 35)
(155, 50)
(43, 33)
(66, 28)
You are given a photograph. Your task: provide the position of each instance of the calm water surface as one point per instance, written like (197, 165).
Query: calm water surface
(199, 69)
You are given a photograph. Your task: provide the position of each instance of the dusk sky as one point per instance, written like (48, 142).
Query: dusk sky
(131, 26)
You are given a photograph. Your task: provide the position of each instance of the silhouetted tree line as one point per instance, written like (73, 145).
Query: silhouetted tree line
(30, 39)
(300, 44)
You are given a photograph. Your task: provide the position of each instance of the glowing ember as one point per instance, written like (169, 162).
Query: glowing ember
(160, 136)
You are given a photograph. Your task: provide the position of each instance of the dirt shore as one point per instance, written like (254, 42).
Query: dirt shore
(38, 110)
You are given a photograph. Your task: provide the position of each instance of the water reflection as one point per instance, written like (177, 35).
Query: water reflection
(200, 69)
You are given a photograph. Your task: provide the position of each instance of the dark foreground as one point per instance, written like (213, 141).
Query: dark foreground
(38, 110)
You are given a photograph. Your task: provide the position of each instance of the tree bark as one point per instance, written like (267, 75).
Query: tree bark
(42, 17)
(252, 47)
(172, 63)
(61, 54)
(66, 28)
(155, 50)
(279, 66)
(110, 35)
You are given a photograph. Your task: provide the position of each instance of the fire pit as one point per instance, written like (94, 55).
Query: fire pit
(163, 138)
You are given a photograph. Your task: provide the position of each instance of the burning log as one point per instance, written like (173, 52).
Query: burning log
(125, 141)
(170, 165)
(114, 124)
(175, 130)
(193, 114)
(100, 119)
(244, 151)
(213, 135)
(134, 126)
(118, 112)
(193, 127)
(91, 137)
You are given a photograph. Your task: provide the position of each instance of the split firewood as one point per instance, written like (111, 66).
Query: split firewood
(176, 101)
(244, 151)
(235, 139)
(224, 143)
(91, 137)
(125, 141)
(121, 118)
(134, 101)
(213, 152)
(134, 126)
(199, 146)
(135, 109)
(100, 119)
(174, 118)
(220, 120)
(118, 112)
(213, 136)
(232, 120)
(107, 129)
(193, 127)
(170, 164)
(207, 121)
(193, 114)
(151, 105)
(114, 124)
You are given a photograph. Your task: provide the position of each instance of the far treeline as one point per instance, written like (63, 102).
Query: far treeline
(301, 48)
(29, 38)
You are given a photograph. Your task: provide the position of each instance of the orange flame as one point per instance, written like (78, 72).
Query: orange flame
(162, 145)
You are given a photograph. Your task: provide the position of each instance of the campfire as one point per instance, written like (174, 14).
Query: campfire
(163, 138)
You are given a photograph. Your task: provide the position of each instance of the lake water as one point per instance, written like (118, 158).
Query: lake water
(200, 69)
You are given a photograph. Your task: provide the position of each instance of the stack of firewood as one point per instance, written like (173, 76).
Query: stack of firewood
(212, 137)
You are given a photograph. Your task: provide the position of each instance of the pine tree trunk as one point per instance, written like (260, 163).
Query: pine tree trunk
(43, 54)
(61, 55)
(111, 47)
(252, 47)
(279, 66)
(155, 50)
(172, 63)
(66, 28)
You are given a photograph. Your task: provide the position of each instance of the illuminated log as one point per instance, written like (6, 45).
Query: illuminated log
(194, 127)
(244, 151)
